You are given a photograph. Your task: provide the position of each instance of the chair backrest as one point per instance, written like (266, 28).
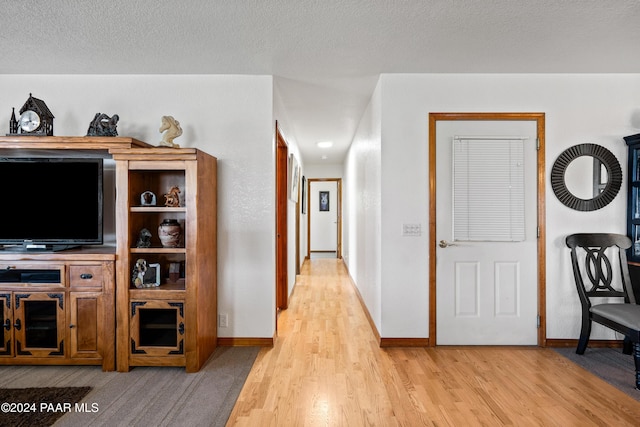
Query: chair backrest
(597, 267)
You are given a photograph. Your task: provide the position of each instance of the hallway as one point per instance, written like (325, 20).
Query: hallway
(327, 369)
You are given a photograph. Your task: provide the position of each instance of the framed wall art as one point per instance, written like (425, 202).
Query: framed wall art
(304, 195)
(324, 201)
(294, 177)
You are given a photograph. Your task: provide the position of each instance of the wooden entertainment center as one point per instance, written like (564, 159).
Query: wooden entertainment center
(81, 306)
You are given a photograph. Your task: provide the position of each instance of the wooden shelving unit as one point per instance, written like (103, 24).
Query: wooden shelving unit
(173, 324)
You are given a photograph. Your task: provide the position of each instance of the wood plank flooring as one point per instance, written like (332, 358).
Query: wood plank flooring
(326, 369)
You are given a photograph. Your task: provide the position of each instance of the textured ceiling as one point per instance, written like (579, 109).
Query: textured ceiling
(326, 55)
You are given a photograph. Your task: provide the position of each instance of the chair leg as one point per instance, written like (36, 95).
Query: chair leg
(585, 332)
(627, 346)
(636, 359)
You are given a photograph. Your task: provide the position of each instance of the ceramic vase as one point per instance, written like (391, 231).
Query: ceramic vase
(170, 233)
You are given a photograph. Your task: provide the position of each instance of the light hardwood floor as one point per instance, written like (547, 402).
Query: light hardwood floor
(326, 369)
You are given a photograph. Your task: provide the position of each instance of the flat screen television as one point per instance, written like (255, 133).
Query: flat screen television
(51, 203)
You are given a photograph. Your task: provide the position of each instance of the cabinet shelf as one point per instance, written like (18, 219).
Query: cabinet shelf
(156, 209)
(164, 287)
(158, 250)
(37, 327)
(168, 326)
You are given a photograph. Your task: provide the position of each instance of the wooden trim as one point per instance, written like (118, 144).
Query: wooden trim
(541, 213)
(404, 342)
(297, 232)
(338, 182)
(542, 233)
(432, 228)
(558, 343)
(374, 329)
(245, 342)
(70, 142)
(385, 342)
(282, 159)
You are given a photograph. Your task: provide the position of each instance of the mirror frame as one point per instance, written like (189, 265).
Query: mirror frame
(610, 162)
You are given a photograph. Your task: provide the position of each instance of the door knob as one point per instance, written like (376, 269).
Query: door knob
(444, 244)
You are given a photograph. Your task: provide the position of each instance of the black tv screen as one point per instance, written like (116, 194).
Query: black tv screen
(51, 203)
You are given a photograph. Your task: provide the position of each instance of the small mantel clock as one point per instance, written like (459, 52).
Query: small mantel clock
(35, 119)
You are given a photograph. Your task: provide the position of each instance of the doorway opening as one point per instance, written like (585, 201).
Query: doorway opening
(435, 248)
(282, 155)
(324, 218)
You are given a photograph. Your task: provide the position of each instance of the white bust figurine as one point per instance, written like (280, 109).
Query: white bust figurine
(173, 130)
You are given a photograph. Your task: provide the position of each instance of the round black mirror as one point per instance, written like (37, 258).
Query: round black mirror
(605, 177)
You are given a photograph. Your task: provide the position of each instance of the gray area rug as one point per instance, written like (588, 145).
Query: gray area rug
(610, 364)
(147, 396)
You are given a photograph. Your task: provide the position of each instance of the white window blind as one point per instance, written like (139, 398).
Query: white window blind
(488, 189)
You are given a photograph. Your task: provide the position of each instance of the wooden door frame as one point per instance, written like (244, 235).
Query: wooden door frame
(282, 160)
(298, 232)
(339, 214)
(539, 118)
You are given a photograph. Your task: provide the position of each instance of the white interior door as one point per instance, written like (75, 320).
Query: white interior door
(486, 287)
(324, 216)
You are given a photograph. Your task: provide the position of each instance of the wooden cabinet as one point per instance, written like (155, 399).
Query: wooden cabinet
(633, 196)
(168, 318)
(58, 308)
(35, 324)
(82, 306)
(633, 210)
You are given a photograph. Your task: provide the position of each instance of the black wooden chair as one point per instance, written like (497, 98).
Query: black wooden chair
(592, 257)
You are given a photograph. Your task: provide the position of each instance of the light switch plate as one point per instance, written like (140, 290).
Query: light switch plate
(411, 229)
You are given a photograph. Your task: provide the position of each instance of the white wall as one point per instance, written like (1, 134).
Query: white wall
(323, 171)
(230, 117)
(361, 195)
(286, 129)
(590, 108)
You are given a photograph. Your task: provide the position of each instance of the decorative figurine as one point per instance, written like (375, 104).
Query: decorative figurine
(103, 125)
(172, 198)
(148, 199)
(144, 239)
(173, 130)
(137, 276)
(145, 275)
(13, 123)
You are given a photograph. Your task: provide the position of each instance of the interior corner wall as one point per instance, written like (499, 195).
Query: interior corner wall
(230, 117)
(287, 130)
(579, 108)
(361, 212)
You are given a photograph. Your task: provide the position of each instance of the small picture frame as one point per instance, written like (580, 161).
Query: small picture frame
(324, 201)
(152, 276)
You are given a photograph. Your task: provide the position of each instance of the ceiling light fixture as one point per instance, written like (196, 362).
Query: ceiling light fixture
(325, 144)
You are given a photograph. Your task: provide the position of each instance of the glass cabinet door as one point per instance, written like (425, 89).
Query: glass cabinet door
(633, 203)
(39, 324)
(157, 327)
